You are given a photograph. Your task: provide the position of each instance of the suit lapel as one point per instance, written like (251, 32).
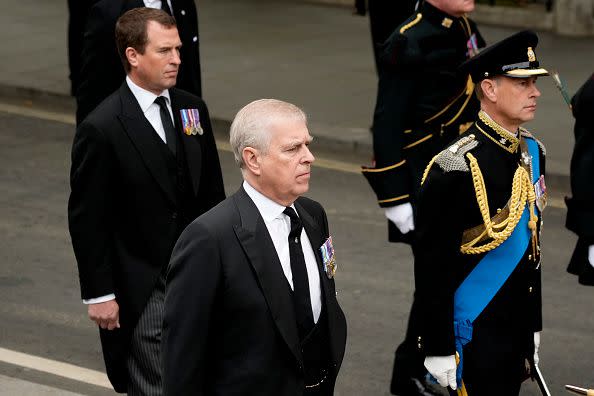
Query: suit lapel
(253, 236)
(139, 131)
(191, 144)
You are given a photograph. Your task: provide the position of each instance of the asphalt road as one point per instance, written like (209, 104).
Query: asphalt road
(41, 312)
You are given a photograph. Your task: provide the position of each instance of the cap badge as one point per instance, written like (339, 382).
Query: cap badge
(531, 56)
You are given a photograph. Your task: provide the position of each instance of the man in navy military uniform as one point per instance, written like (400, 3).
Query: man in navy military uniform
(580, 213)
(422, 104)
(479, 217)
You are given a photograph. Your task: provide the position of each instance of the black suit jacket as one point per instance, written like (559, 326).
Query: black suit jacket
(101, 70)
(122, 212)
(580, 206)
(229, 326)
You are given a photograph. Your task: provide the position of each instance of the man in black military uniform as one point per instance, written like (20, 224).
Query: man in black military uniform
(422, 104)
(479, 217)
(580, 207)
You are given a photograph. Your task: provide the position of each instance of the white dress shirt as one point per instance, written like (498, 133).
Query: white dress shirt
(279, 226)
(150, 109)
(156, 4)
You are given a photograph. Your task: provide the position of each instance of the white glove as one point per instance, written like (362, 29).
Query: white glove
(536, 347)
(591, 255)
(443, 368)
(402, 216)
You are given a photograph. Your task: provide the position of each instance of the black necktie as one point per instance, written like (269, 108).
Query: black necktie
(167, 124)
(301, 298)
(165, 7)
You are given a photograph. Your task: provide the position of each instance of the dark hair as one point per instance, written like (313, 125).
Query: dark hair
(131, 30)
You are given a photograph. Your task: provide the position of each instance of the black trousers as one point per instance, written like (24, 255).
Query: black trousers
(408, 359)
(496, 361)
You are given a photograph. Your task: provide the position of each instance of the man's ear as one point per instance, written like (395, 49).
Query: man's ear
(132, 56)
(251, 160)
(489, 88)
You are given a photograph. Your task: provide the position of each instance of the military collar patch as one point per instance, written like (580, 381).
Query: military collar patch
(497, 133)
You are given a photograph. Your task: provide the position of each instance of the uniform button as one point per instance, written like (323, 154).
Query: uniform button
(529, 257)
(530, 289)
(296, 240)
(195, 38)
(174, 215)
(183, 12)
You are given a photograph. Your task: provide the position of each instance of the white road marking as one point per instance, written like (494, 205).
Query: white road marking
(54, 367)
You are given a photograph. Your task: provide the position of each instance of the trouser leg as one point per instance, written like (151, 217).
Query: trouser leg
(144, 363)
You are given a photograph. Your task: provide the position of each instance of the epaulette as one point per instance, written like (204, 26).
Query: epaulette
(412, 23)
(398, 50)
(524, 132)
(452, 158)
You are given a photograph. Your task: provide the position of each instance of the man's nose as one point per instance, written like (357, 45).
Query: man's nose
(536, 92)
(176, 60)
(309, 157)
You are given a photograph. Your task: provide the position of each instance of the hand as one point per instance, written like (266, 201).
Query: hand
(402, 216)
(591, 255)
(443, 368)
(536, 347)
(105, 314)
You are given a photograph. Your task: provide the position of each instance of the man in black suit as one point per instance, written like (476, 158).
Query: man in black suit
(101, 71)
(251, 305)
(144, 165)
(77, 20)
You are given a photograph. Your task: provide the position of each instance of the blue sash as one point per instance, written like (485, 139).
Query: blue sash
(489, 275)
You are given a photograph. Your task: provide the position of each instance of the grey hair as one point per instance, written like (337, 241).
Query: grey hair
(251, 125)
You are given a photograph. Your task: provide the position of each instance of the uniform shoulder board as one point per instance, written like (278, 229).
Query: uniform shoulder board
(400, 49)
(524, 132)
(452, 158)
(410, 22)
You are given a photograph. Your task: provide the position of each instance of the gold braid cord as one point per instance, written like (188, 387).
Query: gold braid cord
(522, 194)
(428, 168)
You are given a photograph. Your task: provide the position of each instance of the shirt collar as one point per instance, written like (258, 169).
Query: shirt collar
(152, 3)
(145, 98)
(156, 4)
(269, 209)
